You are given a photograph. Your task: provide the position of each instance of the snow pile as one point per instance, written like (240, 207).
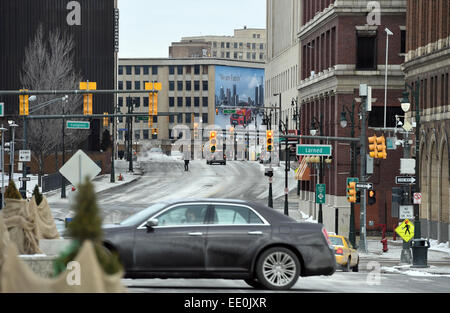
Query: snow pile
(442, 247)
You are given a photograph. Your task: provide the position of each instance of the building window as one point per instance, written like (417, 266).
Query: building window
(188, 118)
(171, 118)
(188, 85)
(235, 55)
(188, 101)
(128, 85)
(128, 70)
(204, 69)
(120, 85)
(205, 101)
(205, 117)
(180, 70)
(196, 101)
(180, 118)
(154, 70)
(222, 45)
(228, 55)
(120, 102)
(205, 85)
(155, 119)
(145, 134)
(403, 41)
(137, 85)
(171, 101)
(179, 85)
(196, 85)
(196, 69)
(120, 70)
(137, 70)
(235, 45)
(137, 134)
(214, 44)
(179, 101)
(171, 70)
(145, 102)
(188, 69)
(366, 52)
(261, 46)
(171, 85)
(146, 70)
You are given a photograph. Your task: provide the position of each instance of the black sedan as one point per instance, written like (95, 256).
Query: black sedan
(218, 238)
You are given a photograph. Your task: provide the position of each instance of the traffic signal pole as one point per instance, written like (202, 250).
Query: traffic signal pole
(363, 226)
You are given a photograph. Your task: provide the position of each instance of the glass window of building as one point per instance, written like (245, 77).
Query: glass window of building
(137, 134)
(196, 69)
(196, 101)
(120, 86)
(228, 55)
(120, 103)
(197, 85)
(128, 85)
(188, 101)
(145, 134)
(205, 85)
(137, 85)
(171, 70)
(137, 70)
(171, 118)
(128, 69)
(179, 85)
(180, 70)
(120, 70)
(188, 118)
(179, 101)
(154, 70)
(205, 101)
(205, 117)
(180, 118)
(145, 102)
(205, 69)
(188, 69)
(188, 85)
(171, 85)
(145, 69)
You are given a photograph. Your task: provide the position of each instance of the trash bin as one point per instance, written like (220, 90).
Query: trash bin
(419, 249)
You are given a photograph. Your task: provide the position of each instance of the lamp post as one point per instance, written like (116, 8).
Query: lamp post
(13, 126)
(63, 179)
(344, 122)
(405, 104)
(296, 117)
(313, 131)
(2, 159)
(279, 125)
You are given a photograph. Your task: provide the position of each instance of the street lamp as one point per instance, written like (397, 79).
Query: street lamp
(13, 126)
(344, 123)
(296, 117)
(316, 126)
(406, 104)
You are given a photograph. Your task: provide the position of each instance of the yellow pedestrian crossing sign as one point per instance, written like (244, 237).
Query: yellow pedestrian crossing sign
(406, 230)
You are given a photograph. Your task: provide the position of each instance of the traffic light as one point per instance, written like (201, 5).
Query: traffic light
(381, 148)
(372, 197)
(351, 192)
(154, 133)
(269, 140)
(105, 119)
(87, 98)
(373, 152)
(23, 103)
(195, 129)
(212, 141)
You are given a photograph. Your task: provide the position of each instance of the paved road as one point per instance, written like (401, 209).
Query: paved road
(362, 282)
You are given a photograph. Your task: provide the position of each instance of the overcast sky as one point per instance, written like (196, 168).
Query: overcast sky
(148, 27)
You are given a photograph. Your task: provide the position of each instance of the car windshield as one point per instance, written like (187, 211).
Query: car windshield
(155, 150)
(336, 241)
(142, 215)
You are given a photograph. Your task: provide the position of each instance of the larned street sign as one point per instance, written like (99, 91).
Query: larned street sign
(229, 111)
(320, 193)
(363, 185)
(405, 180)
(78, 125)
(317, 150)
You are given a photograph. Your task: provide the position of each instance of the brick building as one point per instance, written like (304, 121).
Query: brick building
(342, 47)
(427, 63)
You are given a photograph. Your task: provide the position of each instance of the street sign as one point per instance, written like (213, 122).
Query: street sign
(417, 198)
(363, 185)
(405, 230)
(406, 211)
(79, 167)
(318, 150)
(320, 193)
(229, 111)
(24, 178)
(24, 155)
(78, 125)
(123, 129)
(2, 109)
(405, 180)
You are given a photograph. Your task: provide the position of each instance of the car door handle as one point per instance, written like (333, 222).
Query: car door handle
(196, 234)
(255, 233)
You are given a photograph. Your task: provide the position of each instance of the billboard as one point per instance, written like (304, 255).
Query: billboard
(239, 96)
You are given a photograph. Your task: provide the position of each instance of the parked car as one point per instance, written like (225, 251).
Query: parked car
(217, 238)
(347, 257)
(177, 155)
(156, 151)
(214, 158)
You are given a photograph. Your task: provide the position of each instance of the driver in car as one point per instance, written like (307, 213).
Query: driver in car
(192, 217)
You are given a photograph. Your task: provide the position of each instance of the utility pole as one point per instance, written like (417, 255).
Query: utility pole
(2, 156)
(363, 227)
(287, 165)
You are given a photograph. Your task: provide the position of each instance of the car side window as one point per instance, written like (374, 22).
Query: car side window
(234, 215)
(183, 215)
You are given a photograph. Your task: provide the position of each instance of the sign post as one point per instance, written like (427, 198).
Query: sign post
(320, 193)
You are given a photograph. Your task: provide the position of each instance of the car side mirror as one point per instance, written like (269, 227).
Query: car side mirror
(152, 223)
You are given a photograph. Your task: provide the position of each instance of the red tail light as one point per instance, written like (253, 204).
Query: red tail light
(339, 251)
(325, 234)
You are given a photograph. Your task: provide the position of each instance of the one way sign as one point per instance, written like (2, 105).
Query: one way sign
(404, 180)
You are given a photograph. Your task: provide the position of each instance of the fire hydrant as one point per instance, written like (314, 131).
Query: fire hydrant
(120, 177)
(385, 246)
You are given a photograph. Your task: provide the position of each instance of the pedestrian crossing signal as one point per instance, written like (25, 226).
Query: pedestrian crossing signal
(269, 140)
(372, 197)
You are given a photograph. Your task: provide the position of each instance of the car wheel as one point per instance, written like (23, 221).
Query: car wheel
(254, 283)
(278, 268)
(347, 266)
(356, 267)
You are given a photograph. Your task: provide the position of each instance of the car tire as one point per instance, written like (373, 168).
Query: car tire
(356, 267)
(254, 283)
(347, 266)
(275, 263)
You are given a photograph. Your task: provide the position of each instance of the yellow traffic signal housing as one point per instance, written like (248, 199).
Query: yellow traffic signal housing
(373, 152)
(105, 119)
(153, 104)
(87, 98)
(23, 103)
(269, 140)
(212, 141)
(351, 192)
(381, 148)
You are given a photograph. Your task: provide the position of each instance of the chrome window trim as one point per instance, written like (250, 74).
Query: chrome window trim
(265, 222)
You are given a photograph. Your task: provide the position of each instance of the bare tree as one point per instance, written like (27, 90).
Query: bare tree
(49, 65)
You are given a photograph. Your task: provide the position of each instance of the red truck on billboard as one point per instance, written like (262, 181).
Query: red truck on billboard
(241, 117)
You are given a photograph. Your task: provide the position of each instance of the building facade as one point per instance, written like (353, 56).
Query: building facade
(247, 44)
(92, 25)
(343, 44)
(188, 92)
(427, 67)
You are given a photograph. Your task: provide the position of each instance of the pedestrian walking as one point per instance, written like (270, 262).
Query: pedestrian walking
(186, 165)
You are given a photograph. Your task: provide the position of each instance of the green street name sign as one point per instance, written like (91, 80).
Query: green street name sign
(319, 150)
(320, 193)
(2, 109)
(229, 111)
(78, 125)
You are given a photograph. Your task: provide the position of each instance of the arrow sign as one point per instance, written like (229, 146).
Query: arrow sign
(363, 185)
(404, 180)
